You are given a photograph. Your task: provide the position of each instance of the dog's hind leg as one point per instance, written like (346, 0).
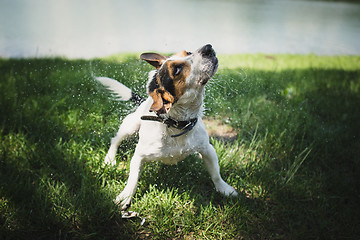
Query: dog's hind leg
(211, 163)
(129, 126)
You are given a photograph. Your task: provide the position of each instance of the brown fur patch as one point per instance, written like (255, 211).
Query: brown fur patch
(182, 54)
(171, 84)
(179, 79)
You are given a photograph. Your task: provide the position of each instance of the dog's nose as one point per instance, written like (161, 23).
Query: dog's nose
(207, 51)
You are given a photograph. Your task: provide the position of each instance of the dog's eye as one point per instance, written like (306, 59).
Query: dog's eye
(177, 69)
(188, 53)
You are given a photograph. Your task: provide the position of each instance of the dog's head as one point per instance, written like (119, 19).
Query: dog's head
(177, 74)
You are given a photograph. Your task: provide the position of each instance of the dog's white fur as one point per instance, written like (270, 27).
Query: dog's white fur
(155, 141)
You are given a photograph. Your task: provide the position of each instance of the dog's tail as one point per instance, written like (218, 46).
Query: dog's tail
(120, 91)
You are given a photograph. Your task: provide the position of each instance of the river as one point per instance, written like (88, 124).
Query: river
(94, 28)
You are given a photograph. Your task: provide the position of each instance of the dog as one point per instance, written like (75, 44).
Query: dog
(169, 122)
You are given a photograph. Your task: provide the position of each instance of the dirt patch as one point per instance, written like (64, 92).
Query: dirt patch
(220, 130)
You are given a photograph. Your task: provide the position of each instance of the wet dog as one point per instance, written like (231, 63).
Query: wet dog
(169, 121)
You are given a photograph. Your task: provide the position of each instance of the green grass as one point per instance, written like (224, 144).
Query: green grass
(295, 161)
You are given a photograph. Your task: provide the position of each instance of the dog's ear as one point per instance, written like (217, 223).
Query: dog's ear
(157, 101)
(162, 101)
(154, 59)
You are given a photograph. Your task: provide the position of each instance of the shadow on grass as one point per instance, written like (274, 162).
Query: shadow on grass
(49, 187)
(55, 128)
(49, 194)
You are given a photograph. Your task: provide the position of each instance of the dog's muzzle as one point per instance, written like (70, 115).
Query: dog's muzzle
(208, 53)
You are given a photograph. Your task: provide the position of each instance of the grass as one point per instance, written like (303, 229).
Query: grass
(295, 160)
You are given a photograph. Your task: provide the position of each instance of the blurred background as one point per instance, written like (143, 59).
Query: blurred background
(92, 28)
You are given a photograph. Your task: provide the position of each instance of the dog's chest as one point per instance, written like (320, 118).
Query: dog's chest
(170, 150)
(173, 153)
(167, 149)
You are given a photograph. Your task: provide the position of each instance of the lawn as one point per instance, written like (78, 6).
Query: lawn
(294, 156)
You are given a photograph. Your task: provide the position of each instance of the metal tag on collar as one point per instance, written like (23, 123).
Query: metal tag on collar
(176, 123)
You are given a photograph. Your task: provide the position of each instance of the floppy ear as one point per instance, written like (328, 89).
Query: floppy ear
(162, 101)
(157, 101)
(154, 59)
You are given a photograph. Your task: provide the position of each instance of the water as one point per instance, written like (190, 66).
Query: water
(94, 28)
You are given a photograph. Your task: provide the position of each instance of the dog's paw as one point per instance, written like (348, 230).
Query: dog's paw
(109, 160)
(226, 190)
(123, 200)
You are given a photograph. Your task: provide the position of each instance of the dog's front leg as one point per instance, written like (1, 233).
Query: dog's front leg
(210, 159)
(129, 126)
(124, 198)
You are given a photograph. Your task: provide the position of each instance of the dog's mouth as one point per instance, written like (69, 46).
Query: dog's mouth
(208, 76)
(211, 63)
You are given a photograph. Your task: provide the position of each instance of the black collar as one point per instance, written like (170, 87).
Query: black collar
(181, 125)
